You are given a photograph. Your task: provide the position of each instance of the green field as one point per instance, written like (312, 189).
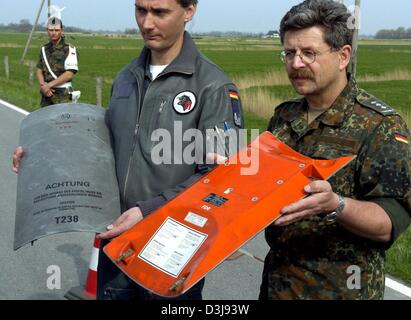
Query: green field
(384, 69)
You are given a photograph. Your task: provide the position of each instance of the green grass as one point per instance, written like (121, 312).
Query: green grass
(240, 63)
(279, 92)
(21, 95)
(378, 59)
(399, 257)
(103, 56)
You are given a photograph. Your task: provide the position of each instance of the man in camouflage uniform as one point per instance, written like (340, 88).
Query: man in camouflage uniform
(55, 79)
(330, 245)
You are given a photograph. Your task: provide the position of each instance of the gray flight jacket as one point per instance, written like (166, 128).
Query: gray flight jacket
(139, 106)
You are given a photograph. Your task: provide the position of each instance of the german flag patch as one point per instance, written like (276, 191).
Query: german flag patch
(401, 138)
(235, 99)
(234, 95)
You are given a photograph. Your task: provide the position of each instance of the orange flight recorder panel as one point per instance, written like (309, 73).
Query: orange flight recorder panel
(176, 246)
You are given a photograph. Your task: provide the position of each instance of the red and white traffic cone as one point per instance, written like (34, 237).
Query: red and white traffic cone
(89, 292)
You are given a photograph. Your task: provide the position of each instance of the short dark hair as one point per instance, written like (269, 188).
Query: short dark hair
(55, 21)
(186, 3)
(333, 16)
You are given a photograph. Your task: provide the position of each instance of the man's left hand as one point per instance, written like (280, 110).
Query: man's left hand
(47, 90)
(320, 199)
(126, 221)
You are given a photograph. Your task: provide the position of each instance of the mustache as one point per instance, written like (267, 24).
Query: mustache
(300, 74)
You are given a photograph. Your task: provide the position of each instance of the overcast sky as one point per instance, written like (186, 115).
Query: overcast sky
(212, 15)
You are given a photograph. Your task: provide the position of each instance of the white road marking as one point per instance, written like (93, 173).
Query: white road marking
(399, 287)
(13, 107)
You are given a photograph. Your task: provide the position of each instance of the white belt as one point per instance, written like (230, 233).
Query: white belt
(64, 85)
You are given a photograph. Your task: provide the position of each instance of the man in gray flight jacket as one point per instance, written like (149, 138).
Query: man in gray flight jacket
(172, 87)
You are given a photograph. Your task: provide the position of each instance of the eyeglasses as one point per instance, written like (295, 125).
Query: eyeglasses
(306, 56)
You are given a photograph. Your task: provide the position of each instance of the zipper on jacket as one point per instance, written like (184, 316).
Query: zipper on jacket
(135, 138)
(160, 110)
(157, 120)
(136, 129)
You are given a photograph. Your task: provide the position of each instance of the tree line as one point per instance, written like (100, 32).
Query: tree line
(25, 26)
(400, 33)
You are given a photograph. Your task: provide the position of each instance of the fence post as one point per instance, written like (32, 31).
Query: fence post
(31, 72)
(99, 91)
(357, 13)
(6, 67)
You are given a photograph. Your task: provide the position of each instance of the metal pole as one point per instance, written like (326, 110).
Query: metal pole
(353, 66)
(32, 65)
(32, 32)
(49, 9)
(6, 67)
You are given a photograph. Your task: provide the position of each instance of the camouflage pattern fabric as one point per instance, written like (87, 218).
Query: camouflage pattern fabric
(60, 96)
(310, 259)
(56, 56)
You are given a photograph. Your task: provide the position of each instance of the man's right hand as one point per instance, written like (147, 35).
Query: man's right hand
(216, 158)
(17, 156)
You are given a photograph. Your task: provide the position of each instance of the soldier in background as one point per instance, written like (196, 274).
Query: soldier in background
(56, 67)
(331, 244)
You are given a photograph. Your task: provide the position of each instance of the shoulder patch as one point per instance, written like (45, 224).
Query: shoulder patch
(401, 138)
(235, 106)
(376, 105)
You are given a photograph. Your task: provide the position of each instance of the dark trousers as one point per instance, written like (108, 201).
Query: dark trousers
(112, 284)
(60, 96)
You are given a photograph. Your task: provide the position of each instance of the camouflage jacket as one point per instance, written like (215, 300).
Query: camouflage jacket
(56, 56)
(311, 259)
